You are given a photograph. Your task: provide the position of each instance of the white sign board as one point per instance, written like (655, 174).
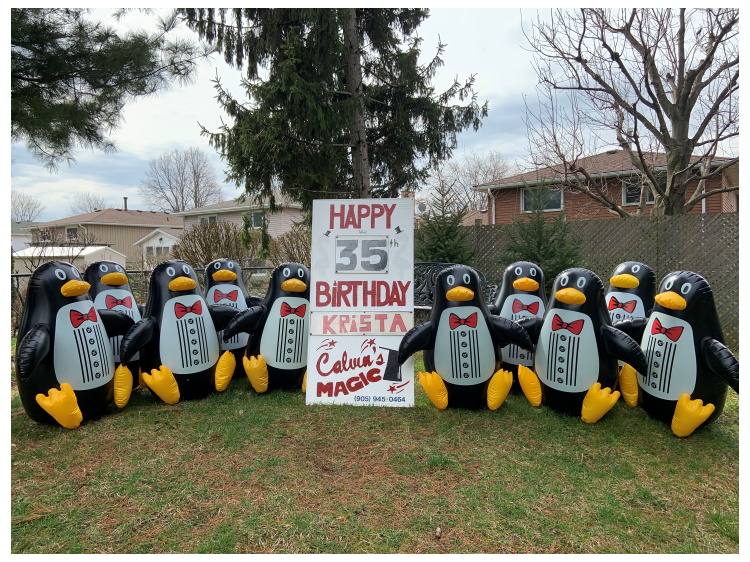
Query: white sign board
(362, 302)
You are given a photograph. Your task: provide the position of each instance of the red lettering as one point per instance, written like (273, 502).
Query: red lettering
(340, 388)
(322, 293)
(335, 214)
(327, 322)
(324, 388)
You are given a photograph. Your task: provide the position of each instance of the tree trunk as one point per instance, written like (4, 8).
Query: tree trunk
(358, 133)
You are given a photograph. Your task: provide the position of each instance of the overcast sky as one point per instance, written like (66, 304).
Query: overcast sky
(485, 42)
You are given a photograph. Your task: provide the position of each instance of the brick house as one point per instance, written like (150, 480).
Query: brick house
(510, 197)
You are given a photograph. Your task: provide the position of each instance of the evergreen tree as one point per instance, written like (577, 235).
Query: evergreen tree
(71, 77)
(338, 105)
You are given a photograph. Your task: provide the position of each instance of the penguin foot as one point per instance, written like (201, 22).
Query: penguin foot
(62, 405)
(435, 389)
(689, 414)
(530, 385)
(304, 382)
(257, 372)
(224, 370)
(628, 380)
(163, 383)
(498, 389)
(123, 385)
(597, 402)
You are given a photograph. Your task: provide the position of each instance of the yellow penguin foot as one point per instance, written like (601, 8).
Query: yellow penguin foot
(62, 405)
(435, 389)
(163, 383)
(123, 385)
(689, 414)
(629, 385)
(498, 389)
(257, 372)
(597, 402)
(224, 370)
(530, 385)
(304, 382)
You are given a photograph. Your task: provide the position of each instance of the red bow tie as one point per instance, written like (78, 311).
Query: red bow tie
(181, 310)
(575, 327)
(626, 306)
(518, 306)
(672, 333)
(470, 321)
(77, 318)
(112, 302)
(286, 310)
(231, 295)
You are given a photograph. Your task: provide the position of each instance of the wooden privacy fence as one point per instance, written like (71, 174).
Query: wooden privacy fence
(706, 244)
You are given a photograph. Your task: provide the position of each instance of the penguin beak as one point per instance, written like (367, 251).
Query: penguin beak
(568, 295)
(115, 279)
(624, 281)
(294, 286)
(181, 284)
(224, 275)
(671, 300)
(459, 294)
(525, 284)
(75, 288)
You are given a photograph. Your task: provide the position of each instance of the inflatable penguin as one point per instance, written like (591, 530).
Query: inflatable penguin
(577, 348)
(631, 291)
(224, 285)
(460, 344)
(276, 356)
(177, 336)
(110, 290)
(64, 362)
(522, 293)
(689, 367)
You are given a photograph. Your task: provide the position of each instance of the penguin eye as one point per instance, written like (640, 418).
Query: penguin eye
(685, 289)
(186, 269)
(564, 280)
(467, 279)
(450, 280)
(668, 285)
(103, 268)
(635, 268)
(76, 273)
(532, 272)
(581, 282)
(60, 274)
(300, 273)
(118, 268)
(231, 265)
(518, 271)
(286, 272)
(217, 265)
(170, 271)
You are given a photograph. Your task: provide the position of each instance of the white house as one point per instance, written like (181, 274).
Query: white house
(157, 245)
(27, 260)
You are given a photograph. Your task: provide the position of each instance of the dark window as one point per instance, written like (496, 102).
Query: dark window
(210, 219)
(72, 233)
(545, 198)
(631, 191)
(256, 220)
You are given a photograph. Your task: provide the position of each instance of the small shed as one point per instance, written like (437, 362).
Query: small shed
(27, 260)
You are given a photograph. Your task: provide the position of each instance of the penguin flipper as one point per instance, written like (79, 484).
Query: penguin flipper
(633, 327)
(253, 301)
(722, 362)
(32, 348)
(136, 337)
(245, 321)
(621, 346)
(416, 339)
(505, 331)
(532, 325)
(221, 314)
(115, 323)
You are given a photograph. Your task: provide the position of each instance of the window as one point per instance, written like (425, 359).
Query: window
(71, 234)
(477, 222)
(631, 190)
(211, 219)
(545, 198)
(255, 219)
(149, 251)
(45, 235)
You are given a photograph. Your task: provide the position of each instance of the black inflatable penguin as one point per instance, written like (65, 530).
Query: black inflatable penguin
(110, 290)
(689, 367)
(460, 344)
(522, 293)
(64, 363)
(177, 337)
(224, 285)
(577, 348)
(276, 356)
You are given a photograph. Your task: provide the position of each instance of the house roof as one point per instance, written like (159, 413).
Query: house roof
(172, 232)
(233, 205)
(614, 162)
(19, 227)
(131, 217)
(61, 251)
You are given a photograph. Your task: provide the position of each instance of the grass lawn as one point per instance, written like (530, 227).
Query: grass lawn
(239, 472)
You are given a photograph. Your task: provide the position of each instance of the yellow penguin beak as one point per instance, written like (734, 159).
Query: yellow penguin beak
(181, 284)
(459, 294)
(75, 288)
(115, 279)
(624, 281)
(294, 286)
(224, 275)
(568, 295)
(671, 300)
(525, 284)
